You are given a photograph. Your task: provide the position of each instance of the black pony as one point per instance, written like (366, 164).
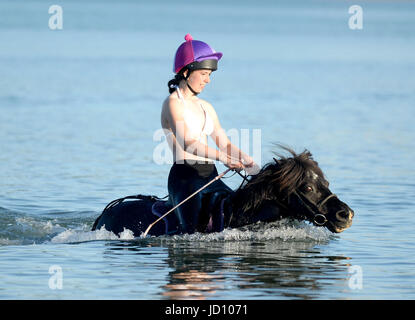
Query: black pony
(286, 187)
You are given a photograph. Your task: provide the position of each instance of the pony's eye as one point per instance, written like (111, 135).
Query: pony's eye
(308, 188)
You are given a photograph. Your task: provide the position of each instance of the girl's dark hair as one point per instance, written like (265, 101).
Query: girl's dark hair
(177, 78)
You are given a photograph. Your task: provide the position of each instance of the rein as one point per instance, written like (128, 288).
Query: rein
(176, 206)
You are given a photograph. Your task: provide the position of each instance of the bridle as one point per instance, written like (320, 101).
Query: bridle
(314, 210)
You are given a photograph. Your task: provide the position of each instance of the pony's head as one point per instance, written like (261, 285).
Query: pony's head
(299, 188)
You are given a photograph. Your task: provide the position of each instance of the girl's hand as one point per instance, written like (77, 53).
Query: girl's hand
(247, 161)
(230, 162)
(250, 167)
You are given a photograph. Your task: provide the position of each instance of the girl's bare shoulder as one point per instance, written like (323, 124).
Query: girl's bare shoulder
(170, 101)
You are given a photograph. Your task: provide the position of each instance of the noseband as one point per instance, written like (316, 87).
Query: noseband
(316, 216)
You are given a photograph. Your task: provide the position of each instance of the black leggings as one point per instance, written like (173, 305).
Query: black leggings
(185, 179)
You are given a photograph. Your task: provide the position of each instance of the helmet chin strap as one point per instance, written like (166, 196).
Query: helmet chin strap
(191, 89)
(188, 85)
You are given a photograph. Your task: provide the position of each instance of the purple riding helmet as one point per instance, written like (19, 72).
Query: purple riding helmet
(195, 54)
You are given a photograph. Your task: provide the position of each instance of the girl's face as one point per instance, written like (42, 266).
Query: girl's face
(199, 78)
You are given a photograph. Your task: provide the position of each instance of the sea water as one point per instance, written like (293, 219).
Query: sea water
(80, 107)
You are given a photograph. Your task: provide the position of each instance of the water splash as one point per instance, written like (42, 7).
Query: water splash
(74, 236)
(285, 230)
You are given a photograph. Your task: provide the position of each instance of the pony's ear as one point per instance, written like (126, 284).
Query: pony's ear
(276, 161)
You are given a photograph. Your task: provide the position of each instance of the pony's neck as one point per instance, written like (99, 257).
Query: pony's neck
(237, 214)
(248, 202)
(244, 202)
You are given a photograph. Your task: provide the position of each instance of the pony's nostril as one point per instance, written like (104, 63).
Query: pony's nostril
(343, 215)
(351, 214)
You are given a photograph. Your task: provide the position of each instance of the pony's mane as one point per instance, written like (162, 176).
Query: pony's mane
(277, 179)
